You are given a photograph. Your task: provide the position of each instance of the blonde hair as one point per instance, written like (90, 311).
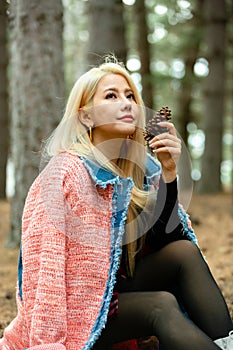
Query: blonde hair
(72, 136)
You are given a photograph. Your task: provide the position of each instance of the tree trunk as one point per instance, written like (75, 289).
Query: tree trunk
(4, 113)
(106, 30)
(185, 99)
(190, 52)
(215, 18)
(37, 90)
(143, 48)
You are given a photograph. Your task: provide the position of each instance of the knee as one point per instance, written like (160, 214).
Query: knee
(162, 306)
(184, 250)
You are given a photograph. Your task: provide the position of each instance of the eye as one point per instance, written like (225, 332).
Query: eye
(131, 96)
(110, 95)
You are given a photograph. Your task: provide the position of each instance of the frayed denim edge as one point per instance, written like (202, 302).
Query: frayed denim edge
(114, 261)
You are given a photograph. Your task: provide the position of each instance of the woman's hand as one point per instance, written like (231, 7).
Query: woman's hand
(167, 147)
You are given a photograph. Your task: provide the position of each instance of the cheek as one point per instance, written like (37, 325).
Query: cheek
(104, 113)
(138, 114)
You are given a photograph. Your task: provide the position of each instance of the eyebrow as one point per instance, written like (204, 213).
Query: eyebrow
(112, 88)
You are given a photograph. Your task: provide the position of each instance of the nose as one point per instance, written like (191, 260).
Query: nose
(126, 104)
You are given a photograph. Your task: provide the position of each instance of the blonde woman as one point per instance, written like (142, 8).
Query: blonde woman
(107, 253)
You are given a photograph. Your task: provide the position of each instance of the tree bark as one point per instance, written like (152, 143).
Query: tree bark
(190, 51)
(143, 47)
(215, 18)
(37, 90)
(4, 110)
(106, 30)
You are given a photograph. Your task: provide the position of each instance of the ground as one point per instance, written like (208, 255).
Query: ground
(212, 217)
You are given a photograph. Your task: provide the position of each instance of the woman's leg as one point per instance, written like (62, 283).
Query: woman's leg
(181, 264)
(142, 314)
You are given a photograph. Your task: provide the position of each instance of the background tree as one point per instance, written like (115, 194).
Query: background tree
(214, 94)
(143, 48)
(189, 50)
(37, 90)
(173, 38)
(98, 27)
(75, 38)
(4, 114)
(106, 30)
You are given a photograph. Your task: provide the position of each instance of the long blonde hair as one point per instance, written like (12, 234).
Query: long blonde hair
(70, 129)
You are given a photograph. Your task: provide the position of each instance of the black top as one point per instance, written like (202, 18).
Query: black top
(168, 227)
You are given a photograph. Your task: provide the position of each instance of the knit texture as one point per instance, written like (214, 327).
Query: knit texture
(48, 347)
(72, 229)
(66, 253)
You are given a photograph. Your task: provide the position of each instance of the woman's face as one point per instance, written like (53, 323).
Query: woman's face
(115, 113)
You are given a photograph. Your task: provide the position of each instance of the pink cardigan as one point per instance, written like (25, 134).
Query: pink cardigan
(72, 229)
(66, 258)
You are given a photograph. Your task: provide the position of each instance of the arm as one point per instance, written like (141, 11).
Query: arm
(168, 226)
(167, 147)
(43, 256)
(62, 305)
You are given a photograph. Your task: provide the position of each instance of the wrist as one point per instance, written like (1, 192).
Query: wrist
(169, 176)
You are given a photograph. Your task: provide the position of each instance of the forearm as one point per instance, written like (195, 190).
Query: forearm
(167, 227)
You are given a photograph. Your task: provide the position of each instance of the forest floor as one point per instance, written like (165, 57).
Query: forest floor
(212, 217)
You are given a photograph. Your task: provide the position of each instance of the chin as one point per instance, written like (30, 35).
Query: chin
(129, 131)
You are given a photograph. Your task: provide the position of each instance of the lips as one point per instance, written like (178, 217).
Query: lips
(127, 118)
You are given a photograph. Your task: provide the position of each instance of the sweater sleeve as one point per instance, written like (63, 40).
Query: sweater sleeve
(44, 261)
(66, 249)
(167, 227)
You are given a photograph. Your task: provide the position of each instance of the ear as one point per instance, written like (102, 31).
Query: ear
(85, 118)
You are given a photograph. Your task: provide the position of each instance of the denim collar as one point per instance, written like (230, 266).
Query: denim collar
(104, 177)
(101, 176)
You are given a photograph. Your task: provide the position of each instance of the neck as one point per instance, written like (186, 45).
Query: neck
(110, 148)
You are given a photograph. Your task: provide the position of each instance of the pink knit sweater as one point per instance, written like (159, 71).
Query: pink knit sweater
(72, 229)
(66, 258)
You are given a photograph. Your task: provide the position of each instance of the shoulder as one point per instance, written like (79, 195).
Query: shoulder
(62, 166)
(65, 161)
(60, 169)
(64, 175)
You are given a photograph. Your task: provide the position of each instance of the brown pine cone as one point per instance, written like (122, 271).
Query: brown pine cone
(152, 128)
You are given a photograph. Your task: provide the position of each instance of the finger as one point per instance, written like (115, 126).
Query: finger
(167, 149)
(174, 152)
(164, 136)
(169, 141)
(170, 126)
(170, 144)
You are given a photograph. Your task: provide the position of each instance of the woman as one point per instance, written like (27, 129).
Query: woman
(107, 253)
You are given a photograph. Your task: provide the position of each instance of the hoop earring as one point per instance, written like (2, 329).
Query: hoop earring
(90, 133)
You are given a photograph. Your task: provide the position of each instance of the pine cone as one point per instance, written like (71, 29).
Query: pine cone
(152, 128)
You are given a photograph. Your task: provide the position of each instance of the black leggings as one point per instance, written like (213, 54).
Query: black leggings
(148, 306)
